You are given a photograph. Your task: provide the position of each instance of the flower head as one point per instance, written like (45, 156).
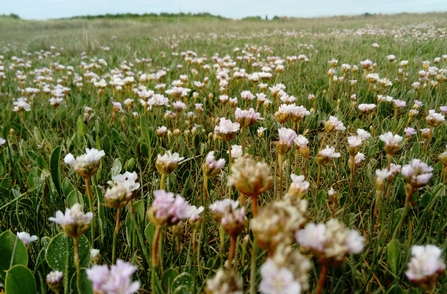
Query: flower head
(426, 266)
(249, 176)
(333, 124)
(167, 209)
(74, 222)
(117, 280)
(26, 237)
(417, 173)
(277, 280)
(87, 164)
(286, 138)
(392, 142)
(121, 189)
(167, 163)
(227, 130)
(212, 166)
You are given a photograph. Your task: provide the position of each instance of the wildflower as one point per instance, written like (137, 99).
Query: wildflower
(224, 283)
(366, 108)
(236, 151)
(226, 130)
(21, 105)
(299, 186)
(167, 163)
(260, 132)
(286, 138)
(359, 157)
(277, 280)
(326, 154)
(417, 173)
(87, 164)
(212, 167)
(194, 214)
(74, 221)
(161, 131)
(409, 131)
(95, 256)
(250, 177)
(167, 209)
(392, 145)
(114, 281)
(26, 237)
(331, 242)
(247, 118)
(278, 222)
(54, 279)
(2, 141)
(121, 189)
(426, 266)
(229, 215)
(333, 124)
(433, 118)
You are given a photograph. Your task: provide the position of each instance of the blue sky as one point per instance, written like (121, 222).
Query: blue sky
(45, 9)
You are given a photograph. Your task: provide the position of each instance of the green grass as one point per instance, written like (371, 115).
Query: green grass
(29, 195)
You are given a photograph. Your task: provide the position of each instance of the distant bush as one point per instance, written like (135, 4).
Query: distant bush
(12, 15)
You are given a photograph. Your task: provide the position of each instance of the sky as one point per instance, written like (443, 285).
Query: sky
(48, 9)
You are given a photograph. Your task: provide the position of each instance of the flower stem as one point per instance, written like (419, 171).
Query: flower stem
(253, 267)
(254, 205)
(322, 279)
(91, 207)
(231, 252)
(280, 160)
(319, 174)
(77, 263)
(163, 182)
(115, 233)
(243, 139)
(155, 241)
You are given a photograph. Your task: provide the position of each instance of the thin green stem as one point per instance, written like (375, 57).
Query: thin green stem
(115, 233)
(163, 182)
(91, 198)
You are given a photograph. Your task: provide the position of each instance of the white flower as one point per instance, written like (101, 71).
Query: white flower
(211, 162)
(354, 141)
(390, 139)
(236, 151)
(169, 158)
(277, 280)
(354, 241)
(72, 216)
(417, 173)
(359, 157)
(301, 141)
(333, 124)
(383, 173)
(21, 105)
(2, 141)
(312, 236)
(26, 238)
(329, 152)
(426, 261)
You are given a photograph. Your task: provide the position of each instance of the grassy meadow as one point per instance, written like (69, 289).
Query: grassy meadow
(112, 84)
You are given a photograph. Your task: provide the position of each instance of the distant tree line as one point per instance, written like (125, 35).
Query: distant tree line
(11, 15)
(148, 15)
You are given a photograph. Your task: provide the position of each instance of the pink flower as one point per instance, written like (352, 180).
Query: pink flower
(286, 136)
(117, 280)
(167, 209)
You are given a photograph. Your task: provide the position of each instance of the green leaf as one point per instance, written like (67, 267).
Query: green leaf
(67, 187)
(182, 290)
(75, 197)
(85, 286)
(116, 167)
(395, 289)
(393, 255)
(19, 280)
(60, 253)
(167, 278)
(12, 252)
(426, 199)
(184, 279)
(55, 169)
(149, 233)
